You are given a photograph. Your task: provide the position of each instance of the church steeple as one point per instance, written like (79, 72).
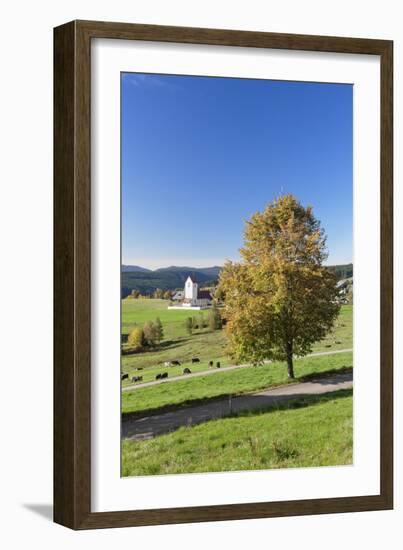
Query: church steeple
(191, 289)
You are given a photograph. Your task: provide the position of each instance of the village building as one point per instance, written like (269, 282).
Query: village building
(193, 297)
(178, 296)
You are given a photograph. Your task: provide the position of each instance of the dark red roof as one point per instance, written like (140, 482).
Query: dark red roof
(204, 294)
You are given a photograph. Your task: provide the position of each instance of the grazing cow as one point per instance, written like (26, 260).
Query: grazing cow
(211, 364)
(187, 371)
(137, 378)
(175, 363)
(167, 364)
(195, 360)
(164, 375)
(218, 364)
(125, 376)
(158, 377)
(139, 368)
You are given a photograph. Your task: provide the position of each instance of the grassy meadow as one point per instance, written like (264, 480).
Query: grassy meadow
(203, 343)
(312, 432)
(177, 343)
(233, 382)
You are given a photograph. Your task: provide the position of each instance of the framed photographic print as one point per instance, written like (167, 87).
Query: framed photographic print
(223, 275)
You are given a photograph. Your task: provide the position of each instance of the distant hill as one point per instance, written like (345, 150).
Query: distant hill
(166, 278)
(344, 271)
(197, 272)
(129, 268)
(173, 277)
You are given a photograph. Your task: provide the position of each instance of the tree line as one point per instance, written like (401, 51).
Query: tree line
(213, 321)
(158, 294)
(149, 335)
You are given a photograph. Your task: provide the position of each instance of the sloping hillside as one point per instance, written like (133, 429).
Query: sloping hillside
(135, 268)
(173, 277)
(342, 271)
(169, 278)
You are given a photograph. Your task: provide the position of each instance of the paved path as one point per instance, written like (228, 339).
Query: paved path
(150, 426)
(215, 371)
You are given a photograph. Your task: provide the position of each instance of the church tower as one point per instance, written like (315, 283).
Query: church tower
(191, 290)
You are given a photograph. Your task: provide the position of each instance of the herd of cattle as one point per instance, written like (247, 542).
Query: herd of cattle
(163, 375)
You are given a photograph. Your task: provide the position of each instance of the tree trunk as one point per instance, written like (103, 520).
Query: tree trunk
(290, 365)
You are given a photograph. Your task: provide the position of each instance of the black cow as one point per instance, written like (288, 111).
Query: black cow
(137, 378)
(125, 376)
(211, 364)
(218, 364)
(195, 360)
(175, 363)
(161, 375)
(187, 371)
(139, 368)
(158, 377)
(164, 375)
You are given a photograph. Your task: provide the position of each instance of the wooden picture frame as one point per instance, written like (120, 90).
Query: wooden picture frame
(72, 273)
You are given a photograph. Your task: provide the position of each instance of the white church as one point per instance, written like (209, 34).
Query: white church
(193, 297)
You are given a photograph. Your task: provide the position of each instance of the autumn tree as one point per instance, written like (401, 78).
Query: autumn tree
(150, 333)
(189, 325)
(136, 339)
(219, 295)
(214, 319)
(159, 331)
(279, 299)
(158, 294)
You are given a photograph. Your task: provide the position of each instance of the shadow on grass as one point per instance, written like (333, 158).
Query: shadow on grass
(170, 344)
(246, 405)
(297, 402)
(167, 344)
(326, 377)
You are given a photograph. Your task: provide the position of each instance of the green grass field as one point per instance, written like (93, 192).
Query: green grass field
(341, 337)
(234, 382)
(316, 431)
(204, 344)
(177, 343)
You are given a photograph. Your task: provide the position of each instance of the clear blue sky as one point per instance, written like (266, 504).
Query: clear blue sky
(201, 154)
